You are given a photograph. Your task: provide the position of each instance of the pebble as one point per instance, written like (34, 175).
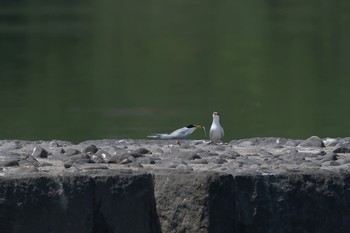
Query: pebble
(71, 151)
(217, 160)
(330, 142)
(46, 164)
(9, 163)
(117, 150)
(28, 161)
(142, 151)
(330, 157)
(344, 148)
(103, 154)
(117, 158)
(188, 155)
(126, 161)
(91, 149)
(39, 152)
(229, 155)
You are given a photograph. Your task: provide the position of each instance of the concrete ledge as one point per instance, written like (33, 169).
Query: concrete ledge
(89, 203)
(250, 185)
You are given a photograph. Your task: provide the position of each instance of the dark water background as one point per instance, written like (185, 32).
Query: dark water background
(77, 70)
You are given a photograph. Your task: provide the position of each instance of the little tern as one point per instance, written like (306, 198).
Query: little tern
(178, 134)
(216, 131)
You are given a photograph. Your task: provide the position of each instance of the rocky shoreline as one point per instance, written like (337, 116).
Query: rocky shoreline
(239, 157)
(247, 185)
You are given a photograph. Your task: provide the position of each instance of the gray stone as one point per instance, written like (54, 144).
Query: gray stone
(68, 164)
(142, 151)
(9, 146)
(126, 161)
(91, 149)
(334, 163)
(29, 161)
(217, 160)
(136, 154)
(39, 152)
(79, 158)
(147, 160)
(330, 157)
(118, 158)
(71, 151)
(103, 154)
(330, 142)
(9, 163)
(230, 155)
(313, 141)
(344, 148)
(114, 150)
(46, 164)
(188, 155)
(205, 154)
(292, 143)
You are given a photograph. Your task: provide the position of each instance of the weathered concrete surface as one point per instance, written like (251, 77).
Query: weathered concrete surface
(249, 185)
(202, 202)
(317, 202)
(103, 202)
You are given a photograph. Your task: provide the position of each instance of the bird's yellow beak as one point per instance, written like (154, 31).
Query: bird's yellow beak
(198, 126)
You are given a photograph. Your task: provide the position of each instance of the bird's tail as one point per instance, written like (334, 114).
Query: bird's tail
(155, 136)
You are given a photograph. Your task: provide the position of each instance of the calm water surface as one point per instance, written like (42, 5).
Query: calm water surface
(78, 70)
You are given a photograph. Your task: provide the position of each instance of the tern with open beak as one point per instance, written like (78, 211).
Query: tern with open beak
(216, 131)
(178, 134)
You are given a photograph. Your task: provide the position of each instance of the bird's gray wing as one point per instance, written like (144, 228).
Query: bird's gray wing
(211, 134)
(159, 135)
(178, 131)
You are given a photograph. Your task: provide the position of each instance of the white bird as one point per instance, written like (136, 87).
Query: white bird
(178, 134)
(216, 131)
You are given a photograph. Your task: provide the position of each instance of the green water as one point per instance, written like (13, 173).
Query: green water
(77, 70)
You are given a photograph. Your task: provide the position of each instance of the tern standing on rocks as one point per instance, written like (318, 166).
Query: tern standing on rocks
(216, 131)
(179, 134)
